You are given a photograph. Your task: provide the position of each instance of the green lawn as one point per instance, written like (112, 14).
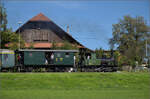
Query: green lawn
(75, 85)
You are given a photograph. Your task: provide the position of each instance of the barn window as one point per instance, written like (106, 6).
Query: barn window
(40, 36)
(5, 56)
(67, 54)
(30, 54)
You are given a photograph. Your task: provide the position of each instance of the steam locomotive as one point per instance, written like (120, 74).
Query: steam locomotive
(35, 60)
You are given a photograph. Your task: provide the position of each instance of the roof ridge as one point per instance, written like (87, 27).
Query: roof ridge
(40, 17)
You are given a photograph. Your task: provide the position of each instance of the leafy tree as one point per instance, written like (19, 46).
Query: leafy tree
(116, 57)
(31, 45)
(14, 42)
(130, 34)
(3, 18)
(120, 59)
(54, 46)
(3, 23)
(68, 46)
(6, 35)
(65, 46)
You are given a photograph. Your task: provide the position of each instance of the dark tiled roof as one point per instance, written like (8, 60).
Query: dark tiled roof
(52, 26)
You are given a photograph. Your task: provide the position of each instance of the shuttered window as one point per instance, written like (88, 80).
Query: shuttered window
(40, 36)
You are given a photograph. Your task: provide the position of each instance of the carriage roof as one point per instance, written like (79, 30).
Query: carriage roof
(38, 50)
(6, 51)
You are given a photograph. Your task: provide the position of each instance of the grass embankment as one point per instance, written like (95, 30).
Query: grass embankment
(74, 86)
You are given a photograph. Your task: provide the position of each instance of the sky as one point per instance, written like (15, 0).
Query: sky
(90, 21)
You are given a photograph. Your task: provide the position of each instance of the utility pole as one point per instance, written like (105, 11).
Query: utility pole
(146, 52)
(67, 28)
(19, 32)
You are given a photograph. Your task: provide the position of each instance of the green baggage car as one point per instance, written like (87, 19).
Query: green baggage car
(48, 57)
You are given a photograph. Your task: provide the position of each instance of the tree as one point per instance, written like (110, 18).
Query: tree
(5, 37)
(14, 42)
(31, 46)
(3, 18)
(54, 46)
(6, 34)
(68, 46)
(3, 23)
(129, 35)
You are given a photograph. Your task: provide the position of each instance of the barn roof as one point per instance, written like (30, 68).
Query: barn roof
(54, 27)
(40, 17)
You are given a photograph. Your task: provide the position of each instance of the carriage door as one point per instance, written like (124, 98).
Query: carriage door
(49, 57)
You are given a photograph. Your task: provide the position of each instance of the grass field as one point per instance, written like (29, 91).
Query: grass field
(75, 85)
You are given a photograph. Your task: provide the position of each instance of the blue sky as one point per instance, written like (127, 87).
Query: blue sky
(90, 21)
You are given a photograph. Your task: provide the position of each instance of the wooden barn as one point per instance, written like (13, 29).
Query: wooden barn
(42, 32)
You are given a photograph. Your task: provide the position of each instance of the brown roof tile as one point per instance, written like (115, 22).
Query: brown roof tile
(42, 45)
(40, 17)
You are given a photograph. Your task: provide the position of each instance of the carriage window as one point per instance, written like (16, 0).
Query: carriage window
(0, 60)
(30, 54)
(5, 56)
(0, 57)
(58, 54)
(67, 55)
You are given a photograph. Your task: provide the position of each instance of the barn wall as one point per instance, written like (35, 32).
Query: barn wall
(39, 35)
(40, 31)
(44, 31)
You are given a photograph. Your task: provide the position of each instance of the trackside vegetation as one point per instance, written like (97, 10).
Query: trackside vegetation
(119, 85)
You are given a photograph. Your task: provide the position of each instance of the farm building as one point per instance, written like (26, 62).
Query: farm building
(42, 32)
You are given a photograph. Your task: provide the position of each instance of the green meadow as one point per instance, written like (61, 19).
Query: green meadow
(122, 85)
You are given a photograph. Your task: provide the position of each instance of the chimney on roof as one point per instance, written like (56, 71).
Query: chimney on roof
(67, 28)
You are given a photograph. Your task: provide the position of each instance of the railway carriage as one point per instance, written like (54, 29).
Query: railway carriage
(7, 59)
(51, 60)
(28, 60)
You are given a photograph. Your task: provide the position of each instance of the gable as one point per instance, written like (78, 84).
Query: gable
(42, 29)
